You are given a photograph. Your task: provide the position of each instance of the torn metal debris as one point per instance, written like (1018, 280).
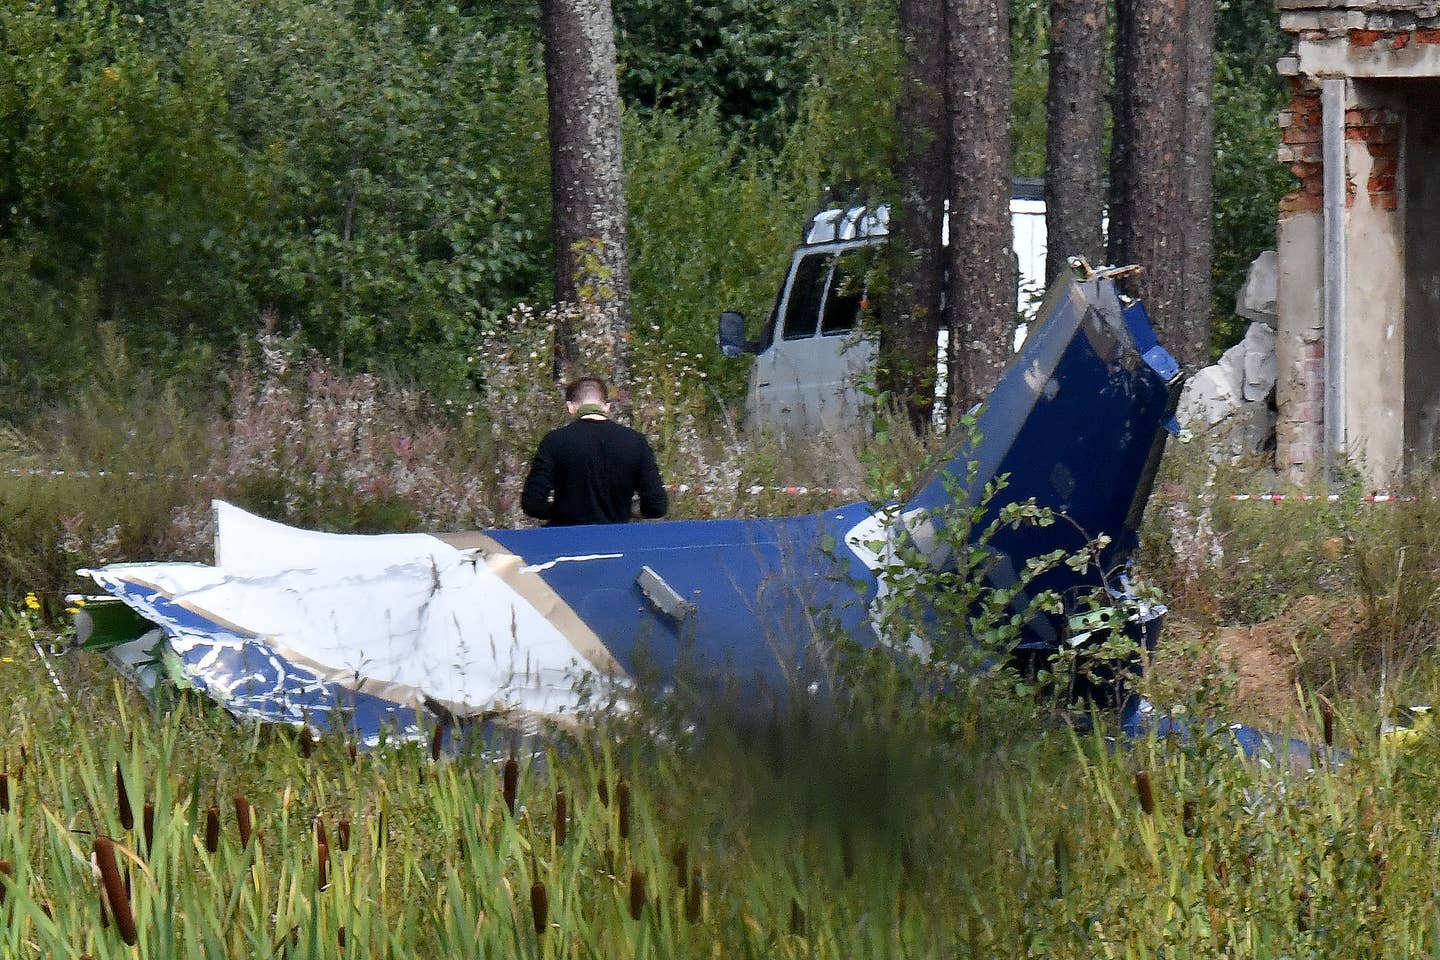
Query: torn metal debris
(379, 635)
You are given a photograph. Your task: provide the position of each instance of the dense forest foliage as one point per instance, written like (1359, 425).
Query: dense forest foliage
(371, 175)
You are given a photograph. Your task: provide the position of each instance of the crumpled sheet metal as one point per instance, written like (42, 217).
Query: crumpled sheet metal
(367, 633)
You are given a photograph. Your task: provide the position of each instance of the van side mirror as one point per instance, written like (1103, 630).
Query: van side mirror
(732, 334)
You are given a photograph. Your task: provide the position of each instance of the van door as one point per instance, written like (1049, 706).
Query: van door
(807, 378)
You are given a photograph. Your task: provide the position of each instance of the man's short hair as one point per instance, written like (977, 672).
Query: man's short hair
(587, 390)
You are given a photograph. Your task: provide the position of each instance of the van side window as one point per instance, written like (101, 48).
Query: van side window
(847, 293)
(807, 290)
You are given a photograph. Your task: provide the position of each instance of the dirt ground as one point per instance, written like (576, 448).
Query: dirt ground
(1265, 658)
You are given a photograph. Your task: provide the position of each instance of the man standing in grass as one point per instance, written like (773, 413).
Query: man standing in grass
(590, 470)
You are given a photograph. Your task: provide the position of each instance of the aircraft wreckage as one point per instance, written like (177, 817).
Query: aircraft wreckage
(386, 635)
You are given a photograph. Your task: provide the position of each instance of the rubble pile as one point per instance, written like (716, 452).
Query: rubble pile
(1230, 405)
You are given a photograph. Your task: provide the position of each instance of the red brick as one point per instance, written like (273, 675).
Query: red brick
(1381, 181)
(1315, 185)
(1385, 201)
(1301, 135)
(1383, 167)
(1365, 38)
(1402, 39)
(1428, 36)
(1302, 170)
(1299, 202)
(1383, 151)
(1370, 134)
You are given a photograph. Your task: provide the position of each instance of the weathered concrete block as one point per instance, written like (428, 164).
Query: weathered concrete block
(1260, 363)
(1256, 299)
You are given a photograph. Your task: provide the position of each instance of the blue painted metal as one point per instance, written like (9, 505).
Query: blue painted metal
(1077, 422)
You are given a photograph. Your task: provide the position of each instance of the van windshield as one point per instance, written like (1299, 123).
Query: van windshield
(847, 292)
(802, 313)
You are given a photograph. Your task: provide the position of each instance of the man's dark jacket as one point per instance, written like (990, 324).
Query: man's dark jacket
(593, 468)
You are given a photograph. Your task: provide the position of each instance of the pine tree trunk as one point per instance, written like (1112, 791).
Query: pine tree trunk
(1197, 297)
(981, 305)
(587, 179)
(1148, 212)
(1075, 134)
(911, 307)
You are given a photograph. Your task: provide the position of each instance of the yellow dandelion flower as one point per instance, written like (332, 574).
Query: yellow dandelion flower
(32, 601)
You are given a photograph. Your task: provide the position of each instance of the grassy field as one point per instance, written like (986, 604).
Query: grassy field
(884, 826)
(866, 831)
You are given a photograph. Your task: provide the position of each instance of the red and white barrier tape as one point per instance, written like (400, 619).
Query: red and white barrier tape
(793, 490)
(1317, 498)
(756, 490)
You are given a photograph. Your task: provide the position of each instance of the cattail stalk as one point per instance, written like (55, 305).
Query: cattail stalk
(148, 820)
(115, 895)
(681, 859)
(602, 790)
(637, 894)
(437, 738)
(343, 834)
(1145, 791)
(307, 741)
(562, 818)
(4, 793)
(243, 819)
(510, 782)
(212, 830)
(122, 800)
(1187, 817)
(322, 863)
(694, 897)
(321, 835)
(539, 907)
(1327, 722)
(622, 807)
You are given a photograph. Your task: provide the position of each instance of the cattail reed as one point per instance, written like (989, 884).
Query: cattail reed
(622, 807)
(539, 906)
(243, 819)
(637, 894)
(562, 818)
(510, 781)
(4, 793)
(1327, 722)
(1145, 792)
(114, 885)
(122, 800)
(340, 938)
(1187, 818)
(342, 833)
(148, 821)
(694, 897)
(437, 739)
(212, 829)
(350, 747)
(307, 741)
(322, 865)
(602, 790)
(681, 859)
(5, 875)
(321, 835)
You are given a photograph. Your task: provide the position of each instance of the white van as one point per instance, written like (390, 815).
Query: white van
(810, 356)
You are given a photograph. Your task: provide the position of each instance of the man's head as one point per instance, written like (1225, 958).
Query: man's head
(587, 392)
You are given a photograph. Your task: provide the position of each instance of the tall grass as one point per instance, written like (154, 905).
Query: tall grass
(843, 833)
